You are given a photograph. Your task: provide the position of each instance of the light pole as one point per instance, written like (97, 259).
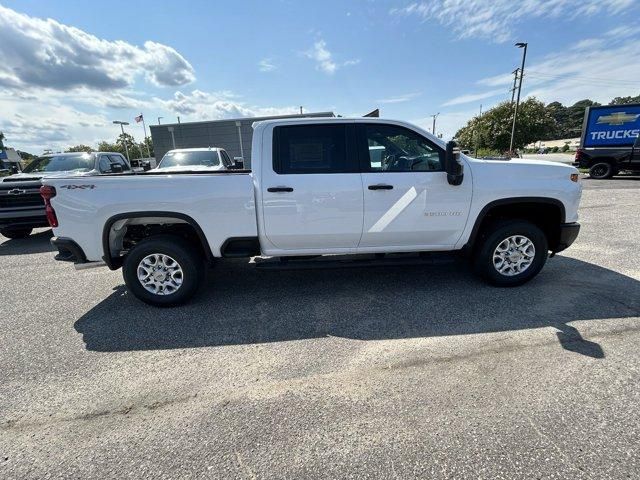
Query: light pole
(124, 139)
(159, 118)
(522, 45)
(434, 122)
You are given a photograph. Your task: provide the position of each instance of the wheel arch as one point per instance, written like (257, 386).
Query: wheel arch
(171, 218)
(548, 213)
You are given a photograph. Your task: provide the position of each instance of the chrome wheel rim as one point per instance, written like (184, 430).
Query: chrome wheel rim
(160, 274)
(513, 255)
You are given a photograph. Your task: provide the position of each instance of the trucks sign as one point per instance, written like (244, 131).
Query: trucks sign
(611, 126)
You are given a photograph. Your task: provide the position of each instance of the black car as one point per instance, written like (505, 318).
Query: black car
(21, 207)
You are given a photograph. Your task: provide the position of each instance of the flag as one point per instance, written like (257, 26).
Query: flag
(138, 119)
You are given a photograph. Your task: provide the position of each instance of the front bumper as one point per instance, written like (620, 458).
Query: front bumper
(568, 234)
(34, 218)
(68, 250)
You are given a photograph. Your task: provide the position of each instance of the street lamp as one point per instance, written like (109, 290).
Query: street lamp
(124, 139)
(522, 45)
(434, 122)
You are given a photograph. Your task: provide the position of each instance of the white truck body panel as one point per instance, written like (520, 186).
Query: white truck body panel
(210, 200)
(325, 213)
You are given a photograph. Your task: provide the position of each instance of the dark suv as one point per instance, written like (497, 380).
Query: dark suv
(22, 208)
(607, 162)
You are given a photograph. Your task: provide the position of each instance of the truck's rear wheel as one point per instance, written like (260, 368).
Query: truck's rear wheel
(601, 170)
(163, 270)
(16, 232)
(511, 253)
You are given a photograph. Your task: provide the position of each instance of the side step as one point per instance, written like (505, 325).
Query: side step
(354, 261)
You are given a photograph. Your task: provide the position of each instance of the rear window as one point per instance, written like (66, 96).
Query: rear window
(310, 149)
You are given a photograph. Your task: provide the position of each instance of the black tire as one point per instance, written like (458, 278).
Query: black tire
(493, 236)
(185, 254)
(601, 170)
(16, 232)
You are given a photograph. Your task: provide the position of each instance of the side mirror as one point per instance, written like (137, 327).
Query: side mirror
(452, 165)
(116, 168)
(238, 163)
(146, 166)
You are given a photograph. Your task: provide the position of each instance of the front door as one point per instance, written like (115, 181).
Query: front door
(407, 199)
(312, 192)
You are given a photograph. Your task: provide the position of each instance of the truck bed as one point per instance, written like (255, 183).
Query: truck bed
(221, 203)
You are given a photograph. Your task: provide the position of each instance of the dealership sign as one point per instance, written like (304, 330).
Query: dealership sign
(611, 126)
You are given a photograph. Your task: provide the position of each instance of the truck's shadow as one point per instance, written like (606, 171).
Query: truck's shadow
(37, 242)
(241, 306)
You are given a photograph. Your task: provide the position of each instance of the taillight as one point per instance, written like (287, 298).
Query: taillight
(47, 192)
(578, 155)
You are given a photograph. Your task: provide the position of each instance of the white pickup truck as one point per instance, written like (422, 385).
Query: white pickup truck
(318, 187)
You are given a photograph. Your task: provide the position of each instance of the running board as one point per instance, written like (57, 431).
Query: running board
(352, 261)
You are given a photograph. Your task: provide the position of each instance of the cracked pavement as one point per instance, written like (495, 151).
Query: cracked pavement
(384, 372)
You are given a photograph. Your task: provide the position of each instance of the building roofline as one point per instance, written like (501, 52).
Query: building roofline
(250, 119)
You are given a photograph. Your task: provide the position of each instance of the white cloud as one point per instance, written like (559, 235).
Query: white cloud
(45, 53)
(400, 98)
(595, 69)
(266, 65)
(324, 58)
(199, 105)
(474, 97)
(496, 19)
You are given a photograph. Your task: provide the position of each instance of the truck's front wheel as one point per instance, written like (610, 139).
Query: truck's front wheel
(163, 270)
(512, 252)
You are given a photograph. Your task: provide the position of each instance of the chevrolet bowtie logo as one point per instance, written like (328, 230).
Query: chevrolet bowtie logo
(16, 191)
(618, 118)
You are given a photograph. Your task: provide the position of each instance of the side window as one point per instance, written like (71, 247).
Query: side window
(104, 164)
(306, 149)
(119, 159)
(397, 149)
(225, 159)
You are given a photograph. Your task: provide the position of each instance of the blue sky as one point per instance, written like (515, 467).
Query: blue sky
(65, 79)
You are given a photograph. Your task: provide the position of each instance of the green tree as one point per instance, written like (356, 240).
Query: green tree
(143, 147)
(575, 117)
(625, 100)
(492, 130)
(80, 148)
(2, 141)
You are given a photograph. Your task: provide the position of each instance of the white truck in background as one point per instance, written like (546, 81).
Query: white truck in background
(318, 187)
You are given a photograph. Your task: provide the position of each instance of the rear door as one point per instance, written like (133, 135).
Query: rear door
(312, 193)
(408, 203)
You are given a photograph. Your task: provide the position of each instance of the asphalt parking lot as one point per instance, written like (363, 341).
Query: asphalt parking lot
(395, 372)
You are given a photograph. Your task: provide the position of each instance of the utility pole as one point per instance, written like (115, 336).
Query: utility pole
(124, 139)
(300, 109)
(515, 79)
(434, 122)
(178, 120)
(515, 112)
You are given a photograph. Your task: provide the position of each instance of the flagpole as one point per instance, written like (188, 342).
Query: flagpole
(145, 136)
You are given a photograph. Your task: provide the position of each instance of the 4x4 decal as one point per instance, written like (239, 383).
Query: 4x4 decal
(80, 187)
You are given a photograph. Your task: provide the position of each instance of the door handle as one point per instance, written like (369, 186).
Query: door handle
(381, 187)
(279, 189)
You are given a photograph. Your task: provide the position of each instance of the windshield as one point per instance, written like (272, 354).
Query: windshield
(81, 162)
(183, 159)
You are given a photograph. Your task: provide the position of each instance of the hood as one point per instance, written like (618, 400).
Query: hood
(187, 168)
(35, 176)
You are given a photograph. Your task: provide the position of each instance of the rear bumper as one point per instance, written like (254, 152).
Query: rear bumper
(68, 250)
(568, 234)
